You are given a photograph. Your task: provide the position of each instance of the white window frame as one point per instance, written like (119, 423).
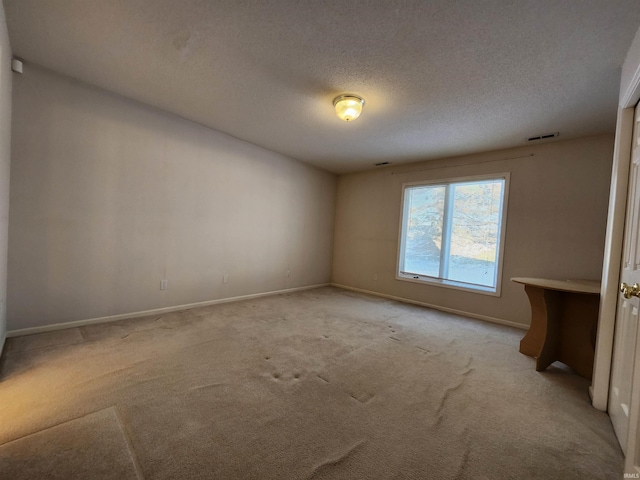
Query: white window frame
(440, 282)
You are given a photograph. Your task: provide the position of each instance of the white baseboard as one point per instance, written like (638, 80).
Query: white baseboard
(112, 318)
(486, 318)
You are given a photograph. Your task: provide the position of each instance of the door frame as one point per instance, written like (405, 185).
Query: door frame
(629, 96)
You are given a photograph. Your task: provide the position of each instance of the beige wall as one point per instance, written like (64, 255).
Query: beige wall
(5, 162)
(108, 197)
(556, 221)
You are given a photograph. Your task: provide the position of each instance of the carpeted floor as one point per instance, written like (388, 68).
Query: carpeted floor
(321, 384)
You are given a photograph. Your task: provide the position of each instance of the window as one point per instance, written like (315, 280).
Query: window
(452, 232)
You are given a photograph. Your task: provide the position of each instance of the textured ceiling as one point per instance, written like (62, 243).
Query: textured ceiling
(440, 77)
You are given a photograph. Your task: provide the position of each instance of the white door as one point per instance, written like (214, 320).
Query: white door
(624, 395)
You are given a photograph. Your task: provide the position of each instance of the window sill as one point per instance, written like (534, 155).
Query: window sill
(437, 282)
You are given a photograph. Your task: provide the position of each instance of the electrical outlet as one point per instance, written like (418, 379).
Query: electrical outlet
(288, 273)
(375, 276)
(225, 278)
(164, 284)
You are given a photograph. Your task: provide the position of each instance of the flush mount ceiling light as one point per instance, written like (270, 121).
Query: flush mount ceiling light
(348, 106)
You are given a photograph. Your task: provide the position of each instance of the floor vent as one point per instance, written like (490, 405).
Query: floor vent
(382, 163)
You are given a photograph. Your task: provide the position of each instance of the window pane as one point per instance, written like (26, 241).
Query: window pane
(424, 230)
(475, 231)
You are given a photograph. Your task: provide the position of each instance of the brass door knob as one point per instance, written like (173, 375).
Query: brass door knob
(630, 290)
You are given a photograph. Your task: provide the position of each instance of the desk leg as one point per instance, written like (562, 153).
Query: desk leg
(551, 347)
(542, 339)
(577, 339)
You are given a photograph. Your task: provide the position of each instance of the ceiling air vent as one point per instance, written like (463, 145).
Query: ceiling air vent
(543, 137)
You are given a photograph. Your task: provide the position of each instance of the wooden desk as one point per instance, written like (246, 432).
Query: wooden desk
(564, 319)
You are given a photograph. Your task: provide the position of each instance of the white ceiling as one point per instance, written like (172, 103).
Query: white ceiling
(440, 77)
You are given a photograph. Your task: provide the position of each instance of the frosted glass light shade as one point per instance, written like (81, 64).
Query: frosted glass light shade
(348, 107)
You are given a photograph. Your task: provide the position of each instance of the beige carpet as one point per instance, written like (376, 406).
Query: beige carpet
(322, 384)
